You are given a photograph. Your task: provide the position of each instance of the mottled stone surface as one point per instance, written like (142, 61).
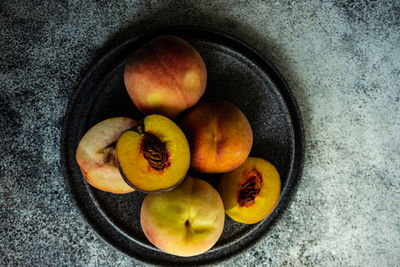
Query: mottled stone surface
(342, 62)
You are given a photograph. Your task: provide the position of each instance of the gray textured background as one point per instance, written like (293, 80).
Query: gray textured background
(342, 62)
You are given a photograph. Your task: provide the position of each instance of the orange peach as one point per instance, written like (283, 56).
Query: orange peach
(95, 155)
(251, 192)
(219, 135)
(165, 77)
(185, 221)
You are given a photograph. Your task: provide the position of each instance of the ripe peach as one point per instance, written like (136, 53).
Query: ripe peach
(219, 135)
(185, 221)
(154, 155)
(95, 155)
(166, 76)
(250, 192)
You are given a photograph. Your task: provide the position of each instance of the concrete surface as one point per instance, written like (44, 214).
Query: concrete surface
(341, 60)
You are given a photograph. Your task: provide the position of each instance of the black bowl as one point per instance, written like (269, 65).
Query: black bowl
(237, 74)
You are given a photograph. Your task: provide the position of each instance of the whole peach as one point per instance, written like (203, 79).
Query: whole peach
(219, 135)
(185, 221)
(166, 76)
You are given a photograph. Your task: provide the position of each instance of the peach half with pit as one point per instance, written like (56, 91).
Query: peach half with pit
(165, 76)
(185, 221)
(219, 135)
(251, 192)
(154, 155)
(95, 155)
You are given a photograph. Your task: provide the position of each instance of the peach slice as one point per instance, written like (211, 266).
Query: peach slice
(95, 155)
(219, 135)
(185, 221)
(154, 155)
(250, 192)
(166, 76)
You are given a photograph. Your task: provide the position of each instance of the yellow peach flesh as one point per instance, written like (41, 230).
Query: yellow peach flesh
(264, 202)
(136, 168)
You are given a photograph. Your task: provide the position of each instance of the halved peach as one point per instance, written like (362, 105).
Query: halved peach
(185, 221)
(250, 192)
(95, 155)
(154, 155)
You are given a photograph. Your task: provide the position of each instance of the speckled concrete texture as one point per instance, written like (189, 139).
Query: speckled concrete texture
(340, 58)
